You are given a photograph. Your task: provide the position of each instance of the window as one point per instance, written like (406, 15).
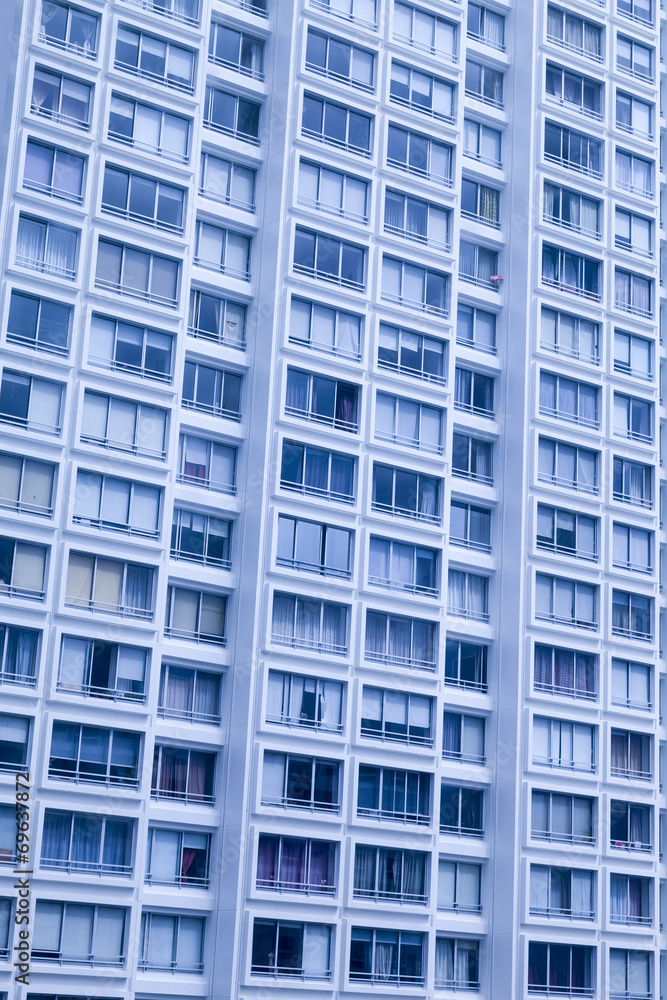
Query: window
(572, 150)
(629, 898)
(177, 858)
(484, 83)
(339, 60)
(142, 199)
(222, 250)
(571, 272)
(478, 265)
(336, 125)
(631, 616)
(136, 273)
(211, 390)
(486, 26)
(632, 355)
(26, 485)
(195, 615)
(389, 875)
(568, 466)
(470, 526)
(396, 717)
(557, 743)
(633, 233)
(171, 943)
(406, 284)
(574, 33)
(406, 494)
(284, 948)
(468, 595)
(387, 793)
(206, 463)
(630, 755)
(633, 418)
(400, 642)
(573, 336)
(424, 31)
(109, 586)
(86, 842)
(33, 403)
(296, 864)
(459, 887)
(564, 672)
(456, 964)
(565, 602)
(236, 50)
(481, 142)
(89, 754)
(416, 220)
(79, 933)
(22, 569)
(632, 483)
(463, 738)
(227, 182)
(116, 504)
(326, 401)
(634, 116)
(480, 203)
(407, 423)
(333, 192)
(313, 702)
(465, 665)
(631, 685)
(18, 655)
(567, 969)
(385, 956)
(633, 293)
(154, 59)
(149, 129)
(629, 973)
(409, 353)
(630, 826)
(185, 11)
(401, 566)
(234, 116)
(8, 854)
(46, 247)
(189, 694)
(476, 328)
(183, 775)
(316, 472)
(304, 623)
(310, 783)
(68, 28)
(634, 59)
(567, 533)
(321, 328)
(121, 425)
(562, 892)
(130, 348)
(63, 99)
(6, 927)
(472, 459)
(473, 392)
(566, 819)
(54, 171)
(634, 174)
(579, 92)
(200, 538)
(461, 811)
(38, 323)
(314, 547)
(217, 319)
(417, 154)
(571, 210)
(329, 259)
(426, 94)
(14, 738)
(102, 669)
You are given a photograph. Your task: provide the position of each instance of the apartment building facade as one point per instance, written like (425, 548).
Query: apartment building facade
(311, 714)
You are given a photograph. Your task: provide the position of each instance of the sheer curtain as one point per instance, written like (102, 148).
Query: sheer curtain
(284, 608)
(267, 860)
(365, 860)
(413, 873)
(564, 669)
(293, 863)
(542, 666)
(21, 652)
(444, 961)
(582, 893)
(618, 898)
(55, 836)
(386, 955)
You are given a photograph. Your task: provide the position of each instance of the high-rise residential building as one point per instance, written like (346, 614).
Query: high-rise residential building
(332, 497)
